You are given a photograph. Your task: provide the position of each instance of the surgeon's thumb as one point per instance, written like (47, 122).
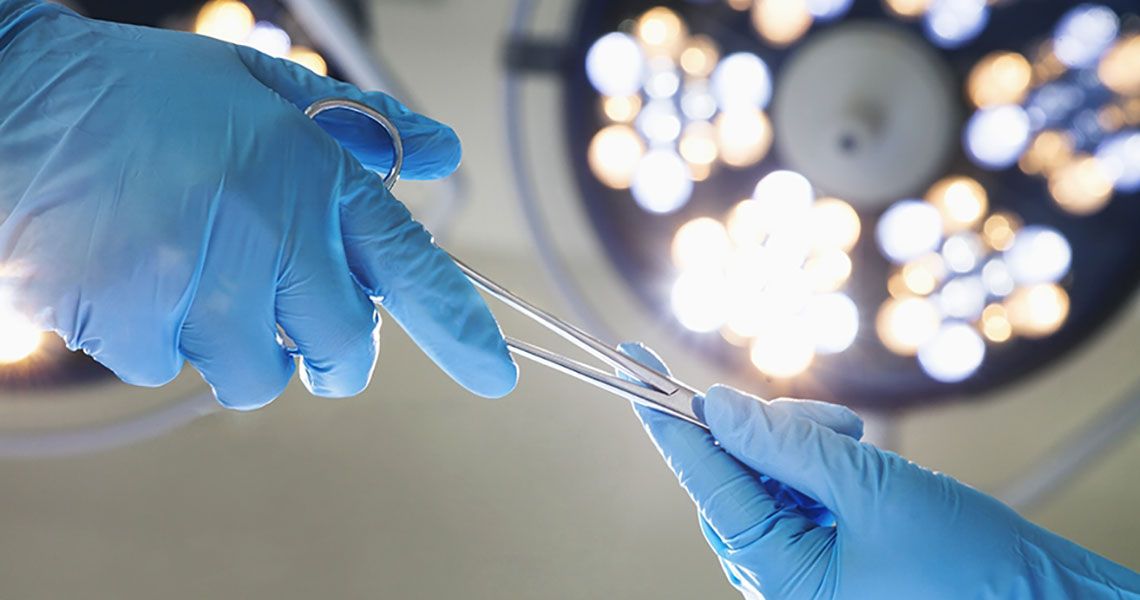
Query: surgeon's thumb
(824, 461)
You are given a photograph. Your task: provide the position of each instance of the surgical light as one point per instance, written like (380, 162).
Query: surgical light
(614, 65)
(19, 339)
(742, 82)
(1049, 151)
(995, 324)
(781, 22)
(701, 244)
(783, 351)
(270, 39)
(1119, 69)
(923, 275)
(227, 20)
(907, 9)
(621, 109)
(744, 136)
(663, 80)
(961, 201)
(996, 136)
(661, 31)
(700, 57)
(963, 298)
(909, 229)
(1039, 255)
(952, 23)
(953, 354)
(828, 271)
(699, 299)
(997, 278)
(746, 225)
(659, 122)
(999, 78)
(832, 322)
(310, 59)
(828, 10)
(904, 325)
(835, 225)
(1082, 187)
(661, 182)
(1084, 33)
(698, 143)
(963, 252)
(615, 154)
(697, 102)
(951, 263)
(1119, 156)
(1038, 311)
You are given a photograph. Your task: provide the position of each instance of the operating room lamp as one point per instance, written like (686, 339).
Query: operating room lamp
(885, 203)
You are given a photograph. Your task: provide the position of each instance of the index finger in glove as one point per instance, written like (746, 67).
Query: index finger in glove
(431, 149)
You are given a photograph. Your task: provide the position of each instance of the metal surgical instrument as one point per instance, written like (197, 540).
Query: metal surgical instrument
(646, 386)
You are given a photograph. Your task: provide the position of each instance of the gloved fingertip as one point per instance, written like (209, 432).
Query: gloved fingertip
(496, 376)
(248, 400)
(730, 412)
(835, 417)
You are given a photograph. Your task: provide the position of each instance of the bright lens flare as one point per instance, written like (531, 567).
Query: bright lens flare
(995, 324)
(1081, 187)
(699, 300)
(1000, 230)
(744, 137)
(614, 154)
(908, 9)
(701, 244)
(227, 20)
(698, 143)
(309, 59)
(700, 56)
(999, 78)
(905, 325)
(961, 201)
(1119, 69)
(783, 351)
(923, 275)
(835, 225)
(953, 354)
(19, 339)
(661, 31)
(828, 272)
(746, 224)
(1049, 151)
(1038, 311)
(621, 109)
(781, 22)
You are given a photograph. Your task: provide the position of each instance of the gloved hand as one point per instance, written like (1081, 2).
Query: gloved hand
(163, 197)
(900, 531)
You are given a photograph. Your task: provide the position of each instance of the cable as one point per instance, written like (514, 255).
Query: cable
(556, 270)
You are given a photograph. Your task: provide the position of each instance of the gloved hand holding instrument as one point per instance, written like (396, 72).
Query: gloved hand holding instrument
(895, 529)
(164, 197)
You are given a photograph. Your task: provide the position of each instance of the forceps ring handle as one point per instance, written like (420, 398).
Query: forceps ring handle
(379, 118)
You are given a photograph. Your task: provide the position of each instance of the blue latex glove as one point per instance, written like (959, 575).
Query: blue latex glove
(901, 531)
(162, 197)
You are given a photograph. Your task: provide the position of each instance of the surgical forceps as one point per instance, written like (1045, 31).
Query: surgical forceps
(648, 387)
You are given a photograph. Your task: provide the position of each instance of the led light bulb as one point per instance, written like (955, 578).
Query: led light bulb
(19, 339)
(614, 155)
